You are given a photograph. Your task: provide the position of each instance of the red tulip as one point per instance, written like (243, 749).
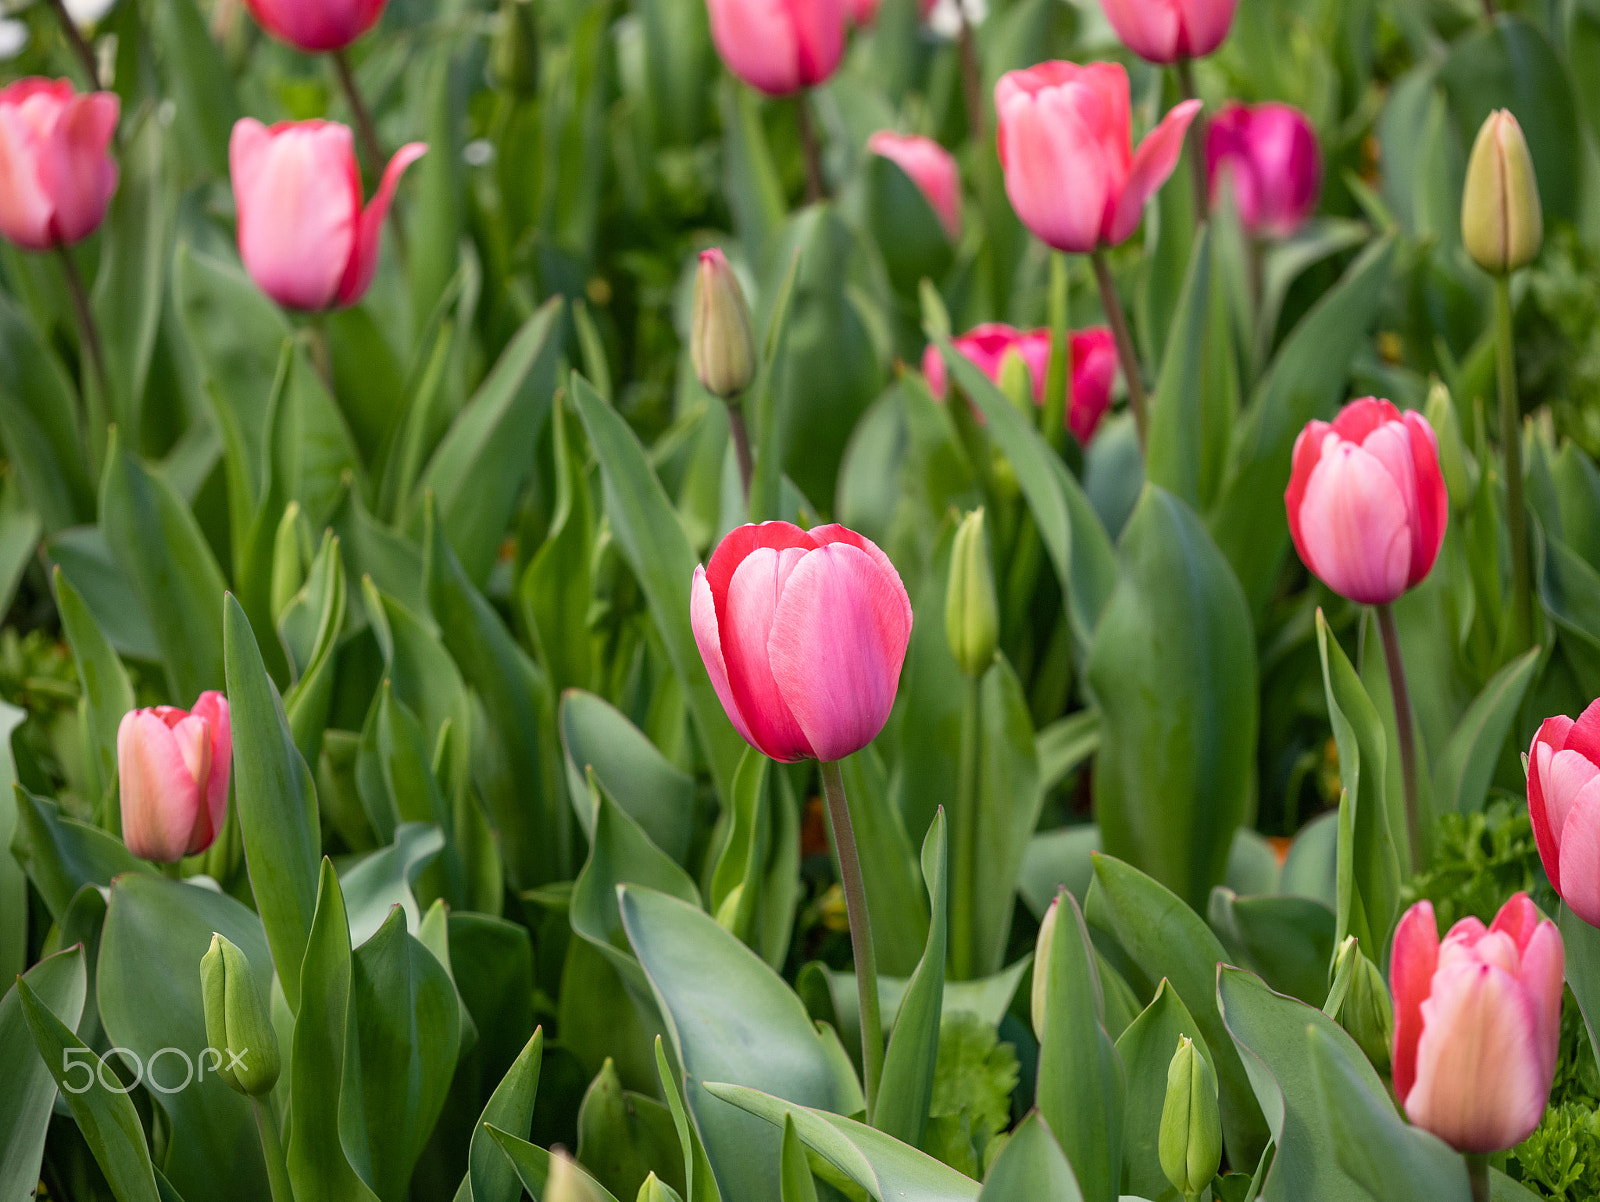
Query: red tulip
(1164, 31)
(1269, 154)
(303, 235)
(931, 167)
(803, 634)
(56, 177)
(1367, 502)
(316, 25)
(779, 46)
(1477, 1023)
(1094, 367)
(174, 767)
(1066, 146)
(1564, 804)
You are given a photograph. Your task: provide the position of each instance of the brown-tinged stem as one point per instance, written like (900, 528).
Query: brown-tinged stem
(1403, 728)
(366, 130)
(1197, 145)
(89, 332)
(855, 905)
(971, 78)
(1118, 320)
(80, 47)
(811, 148)
(740, 430)
(1511, 448)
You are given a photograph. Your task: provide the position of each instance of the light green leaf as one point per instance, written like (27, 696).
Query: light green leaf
(59, 982)
(1031, 1167)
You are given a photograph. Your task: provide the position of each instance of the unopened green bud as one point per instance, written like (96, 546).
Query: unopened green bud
(1441, 414)
(567, 1182)
(1016, 381)
(1502, 223)
(1190, 1143)
(971, 610)
(514, 54)
(1041, 967)
(1366, 1011)
(238, 1027)
(656, 1190)
(722, 342)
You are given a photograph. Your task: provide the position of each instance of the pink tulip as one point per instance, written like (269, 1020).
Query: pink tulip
(931, 167)
(1367, 502)
(316, 25)
(174, 768)
(1477, 1023)
(303, 235)
(1094, 368)
(1564, 803)
(1165, 31)
(1066, 146)
(803, 634)
(1269, 154)
(779, 46)
(56, 178)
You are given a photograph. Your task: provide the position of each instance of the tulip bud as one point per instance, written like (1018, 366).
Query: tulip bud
(514, 55)
(656, 1190)
(1502, 223)
(238, 1027)
(173, 769)
(1366, 1011)
(1041, 967)
(567, 1182)
(1190, 1144)
(1453, 461)
(971, 610)
(722, 341)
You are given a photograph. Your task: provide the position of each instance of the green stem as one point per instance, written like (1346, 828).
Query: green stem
(79, 46)
(740, 431)
(1478, 1175)
(1511, 448)
(811, 148)
(272, 1151)
(855, 905)
(1058, 381)
(1125, 350)
(99, 399)
(1403, 729)
(366, 128)
(1197, 146)
(964, 835)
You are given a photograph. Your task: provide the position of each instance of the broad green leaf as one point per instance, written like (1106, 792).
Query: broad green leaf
(623, 1135)
(700, 1184)
(1031, 1167)
(372, 885)
(13, 878)
(556, 589)
(59, 982)
(61, 854)
(753, 886)
(107, 692)
(1146, 1049)
(650, 788)
(767, 482)
(38, 426)
(1581, 943)
(914, 244)
(84, 558)
(896, 899)
(20, 531)
(1463, 770)
(1066, 745)
(310, 628)
(510, 1108)
(1177, 434)
(202, 84)
(988, 997)
(1062, 858)
(797, 1184)
(754, 189)
(1287, 940)
(532, 1165)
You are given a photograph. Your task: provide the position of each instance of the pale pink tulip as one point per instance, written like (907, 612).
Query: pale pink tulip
(1268, 155)
(303, 235)
(316, 25)
(1564, 804)
(931, 167)
(779, 46)
(1367, 502)
(1066, 146)
(173, 767)
(56, 175)
(1164, 31)
(1477, 1024)
(803, 634)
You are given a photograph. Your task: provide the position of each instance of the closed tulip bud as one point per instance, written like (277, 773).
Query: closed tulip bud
(1190, 1143)
(971, 609)
(1365, 1012)
(1502, 223)
(316, 25)
(1165, 31)
(569, 1183)
(1041, 967)
(514, 54)
(1268, 155)
(722, 340)
(56, 174)
(173, 769)
(1453, 461)
(1477, 1023)
(803, 633)
(238, 1027)
(779, 46)
(656, 1190)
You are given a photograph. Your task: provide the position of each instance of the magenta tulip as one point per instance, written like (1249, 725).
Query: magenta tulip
(1066, 146)
(174, 767)
(779, 46)
(803, 634)
(56, 176)
(1367, 502)
(1477, 1024)
(303, 235)
(316, 25)
(931, 167)
(1268, 155)
(1165, 31)
(1564, 804)
(1094, 370)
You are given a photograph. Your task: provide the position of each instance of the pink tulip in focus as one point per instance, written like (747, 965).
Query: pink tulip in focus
(931, 167)
(303, 235)
(1564, 804)
(1367, 502)
(803, 634)
(316, 25)
(1268, 153)
(1066, 146)
(1164, 31)
(56, 177)
(174, 768)
(779, 46)
(1094, 368)
(1477, 1023)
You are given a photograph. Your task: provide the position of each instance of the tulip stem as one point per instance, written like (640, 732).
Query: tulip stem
(855, 906)
(1058, 379)
(89, 333)
(1118, 321)
(1403, 728)
(1197, 145)
(80, 47)
(365, 129)
(971, 77)
(272, 1151)
(964, 835)
(1511, 447)
(740, 429)
(811, 149)
(1478, 1175)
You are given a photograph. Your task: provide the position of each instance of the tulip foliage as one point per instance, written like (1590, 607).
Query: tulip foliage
(794, 600)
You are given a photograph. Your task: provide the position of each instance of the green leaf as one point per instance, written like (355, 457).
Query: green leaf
(61, 854)
(310, 628)
(1287, 940)
(107, 692)
(1582, 945)
(700, 1185)
(372, 885)
(59, 982)
(1463, 770)
(206, 104)
(510, 1108)
(896, 904)
(908, 233)
(1177, 434)
(13, 879)
(557, 587)
(767, 482)
(84, 558)
(1031, 1167)
(20, 531)
(650, 788)
(1173, 669)
(1066, 745)
(797, 1184)
(906, 1089)
(532, 1165)
(38, 426)
(622, 1135)
(1146, 1048)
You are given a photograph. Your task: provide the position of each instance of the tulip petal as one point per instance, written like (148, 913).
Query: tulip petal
(1153, 163)
(1152, 29)
(160, 797)
(1543, 975)
(703, 621)
(1579, 856)
(753, 597)
(1584, 734)
(1307, 451)
(25, 208)
(1061, 176)
(819, 37)
(1353, 521)
(213, 707)
(1433, 499)
(1550, 738)
(758, 42)
(319, 25)
(74, 167)
(1412, 961)
(363, 263)
(740, 542)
